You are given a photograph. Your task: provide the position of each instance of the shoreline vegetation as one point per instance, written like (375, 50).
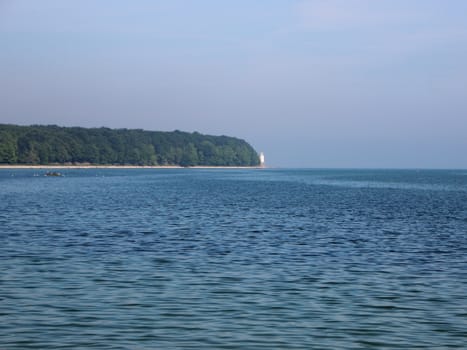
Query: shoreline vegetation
(99, 166)
(49, 145)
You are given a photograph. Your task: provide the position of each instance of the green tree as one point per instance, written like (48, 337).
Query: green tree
(8, 152)
(190, 156)
(53, 144)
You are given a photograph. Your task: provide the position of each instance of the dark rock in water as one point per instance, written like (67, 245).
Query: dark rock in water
(53, 173)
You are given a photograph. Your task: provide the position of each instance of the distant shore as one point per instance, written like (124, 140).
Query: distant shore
(58, 166)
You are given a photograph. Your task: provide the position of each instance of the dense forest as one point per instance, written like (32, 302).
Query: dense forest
(39, 144)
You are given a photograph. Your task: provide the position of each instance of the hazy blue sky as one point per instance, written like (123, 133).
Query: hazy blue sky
(331, 83)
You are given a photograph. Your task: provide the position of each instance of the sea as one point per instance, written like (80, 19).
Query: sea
(233, 259)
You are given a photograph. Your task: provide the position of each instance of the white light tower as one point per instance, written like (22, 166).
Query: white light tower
(261, 159)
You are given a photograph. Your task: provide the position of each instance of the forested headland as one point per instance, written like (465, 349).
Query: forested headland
(51, 144)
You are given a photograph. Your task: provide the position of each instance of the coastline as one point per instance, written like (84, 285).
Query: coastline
(8, 166)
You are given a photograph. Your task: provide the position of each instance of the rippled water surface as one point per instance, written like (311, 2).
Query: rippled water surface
(233, 259)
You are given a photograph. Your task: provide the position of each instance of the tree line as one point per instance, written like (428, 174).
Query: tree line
(51, 144)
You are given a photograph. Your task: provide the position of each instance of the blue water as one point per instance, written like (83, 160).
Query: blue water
(233, 259)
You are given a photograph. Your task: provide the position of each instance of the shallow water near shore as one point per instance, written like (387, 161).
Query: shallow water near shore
(233, 259)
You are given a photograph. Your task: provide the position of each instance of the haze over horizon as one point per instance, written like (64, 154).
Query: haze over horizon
(312, 83)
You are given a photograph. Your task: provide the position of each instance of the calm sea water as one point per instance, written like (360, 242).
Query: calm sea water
(233, 259)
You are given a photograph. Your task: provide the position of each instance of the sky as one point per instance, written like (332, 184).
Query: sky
(311, 83)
